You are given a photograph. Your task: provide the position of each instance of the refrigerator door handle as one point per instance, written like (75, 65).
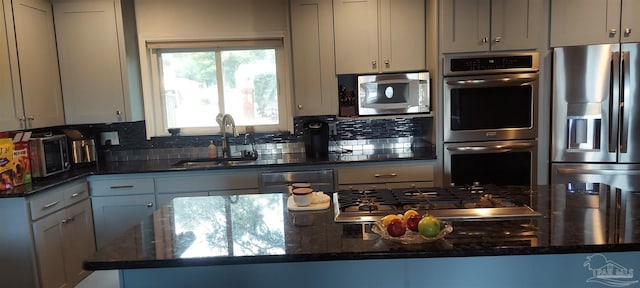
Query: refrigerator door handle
(625, 83)
(614, 95)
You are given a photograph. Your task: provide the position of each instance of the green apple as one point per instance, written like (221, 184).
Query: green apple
(429, 226)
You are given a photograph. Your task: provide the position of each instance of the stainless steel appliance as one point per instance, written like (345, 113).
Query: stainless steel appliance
(596, 94)
(511, 162)
(399, 93)
(83, 151)
(478, 202)
(280, 181)
(48, 155)
(609, 189)
(490, 119)
(490, 97)
(595, 148)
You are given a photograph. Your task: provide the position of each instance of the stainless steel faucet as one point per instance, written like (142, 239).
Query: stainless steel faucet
(225, 120)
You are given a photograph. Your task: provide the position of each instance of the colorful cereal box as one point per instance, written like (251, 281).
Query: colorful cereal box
(6, 164)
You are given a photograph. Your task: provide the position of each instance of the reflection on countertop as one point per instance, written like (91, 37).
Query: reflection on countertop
(258, 228)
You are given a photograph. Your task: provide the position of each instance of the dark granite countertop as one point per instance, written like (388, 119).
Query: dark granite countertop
(166, 165)
(258, 228)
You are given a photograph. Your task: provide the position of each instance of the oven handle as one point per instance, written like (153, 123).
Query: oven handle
(512, 81)
(599, 171)
(494, 148)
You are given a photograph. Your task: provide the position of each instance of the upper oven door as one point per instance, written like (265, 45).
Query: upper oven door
(490, 107)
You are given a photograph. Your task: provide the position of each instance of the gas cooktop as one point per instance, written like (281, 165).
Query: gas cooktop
(452, 203)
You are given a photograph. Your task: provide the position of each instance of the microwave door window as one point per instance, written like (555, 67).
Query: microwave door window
(491, 108)
(52, 156)
(381, 95)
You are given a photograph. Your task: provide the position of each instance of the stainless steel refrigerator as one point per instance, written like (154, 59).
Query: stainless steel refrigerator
(595, 150)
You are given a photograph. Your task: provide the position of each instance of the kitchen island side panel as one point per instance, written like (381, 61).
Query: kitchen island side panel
(525, 271)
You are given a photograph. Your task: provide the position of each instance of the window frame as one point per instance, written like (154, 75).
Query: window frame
(155, 107)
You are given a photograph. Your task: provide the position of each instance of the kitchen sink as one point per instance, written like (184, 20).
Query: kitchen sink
(211, 162)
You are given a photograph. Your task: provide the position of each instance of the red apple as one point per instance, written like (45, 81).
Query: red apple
(396, 228)
(412, 222)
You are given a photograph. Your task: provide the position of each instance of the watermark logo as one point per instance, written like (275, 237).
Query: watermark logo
(608, 272)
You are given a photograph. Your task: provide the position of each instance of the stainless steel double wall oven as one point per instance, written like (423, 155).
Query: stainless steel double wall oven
(490, 118)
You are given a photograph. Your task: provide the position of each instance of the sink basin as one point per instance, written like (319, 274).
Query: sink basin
(211, 162)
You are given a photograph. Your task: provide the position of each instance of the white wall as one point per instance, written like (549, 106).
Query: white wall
(210, 18)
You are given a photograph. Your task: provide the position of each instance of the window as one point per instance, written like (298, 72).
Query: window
(194, 81)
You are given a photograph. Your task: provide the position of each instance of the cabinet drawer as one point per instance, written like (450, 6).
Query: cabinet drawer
(124, 186)
(75, 193)
(46, 202)
(385, 174)
(207, 182)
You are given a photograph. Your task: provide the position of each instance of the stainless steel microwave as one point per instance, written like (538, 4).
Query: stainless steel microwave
(391, 94)
(48, 155)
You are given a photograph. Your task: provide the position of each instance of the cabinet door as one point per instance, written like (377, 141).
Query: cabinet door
(583, 22)
(49, 240)
(356, 36)
(113, 215)
(315, 81)
(79, 241)
(37, 55)
(402, 35)
(514, 24)
(465, 25)
(11, 111)
(630, 22)
(89, 61)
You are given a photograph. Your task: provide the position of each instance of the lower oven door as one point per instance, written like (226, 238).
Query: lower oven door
(495, 162)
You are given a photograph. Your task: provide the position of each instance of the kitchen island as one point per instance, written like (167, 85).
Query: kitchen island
(254, 241)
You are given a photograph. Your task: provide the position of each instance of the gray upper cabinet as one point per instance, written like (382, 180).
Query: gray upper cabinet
(9, 118)
(490, 25)
(315, 81)
(373, 36)
(93, 63)
(584, 22)
(36, 68)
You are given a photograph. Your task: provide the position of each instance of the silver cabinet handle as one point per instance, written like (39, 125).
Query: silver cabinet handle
(485, 40)
(627, 31)
(613, 31)
(150, 204)
(121, 187)
(299, 106)
(387, 62)
(374, 64)
(47, 206)
(390, 175)
(74, 195)
(498, 39)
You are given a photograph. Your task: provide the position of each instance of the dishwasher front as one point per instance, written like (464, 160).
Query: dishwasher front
(280, 181)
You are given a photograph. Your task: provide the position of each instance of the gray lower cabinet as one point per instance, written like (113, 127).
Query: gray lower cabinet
(64, 240)
(204, 183)
(386, 175)
(119, 203)
(46, 237)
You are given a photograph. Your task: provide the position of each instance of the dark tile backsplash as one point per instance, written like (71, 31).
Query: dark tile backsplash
(132, 135)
